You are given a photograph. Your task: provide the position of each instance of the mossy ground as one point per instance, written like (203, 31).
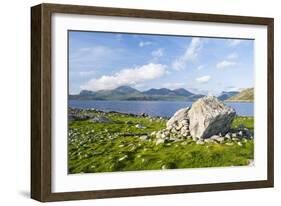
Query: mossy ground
(109, 147)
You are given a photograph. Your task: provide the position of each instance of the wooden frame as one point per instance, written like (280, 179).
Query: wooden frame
(41, 101)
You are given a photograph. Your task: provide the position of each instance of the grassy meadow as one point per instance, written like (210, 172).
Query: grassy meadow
(120, 146)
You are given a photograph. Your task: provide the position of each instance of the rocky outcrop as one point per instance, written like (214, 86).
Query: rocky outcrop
(208, 116)
(179, 123)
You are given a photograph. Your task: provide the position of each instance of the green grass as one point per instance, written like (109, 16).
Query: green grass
(109, 147)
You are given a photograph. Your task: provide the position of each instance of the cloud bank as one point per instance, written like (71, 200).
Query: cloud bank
(129, 76)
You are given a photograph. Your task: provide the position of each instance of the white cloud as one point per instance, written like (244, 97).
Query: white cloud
(234, 42)
(173, 85)
(225, 63)
(203, 79)
(145, 43)
(232, 56)
(157, 53)
(129, 76)
(190, 54)
(200, 67)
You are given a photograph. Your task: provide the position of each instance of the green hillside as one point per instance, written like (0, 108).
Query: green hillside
(246, 95)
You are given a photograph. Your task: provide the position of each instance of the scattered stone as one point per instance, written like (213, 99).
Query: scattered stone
(140, 126)
(200, 141)
(209, 140)
(218, 138)
(77, 116)
(164, 167)
(142, 114)
(240, 133)
(123, 158)
(101, 120)
(195, 138)
(235, 139)
(160, 141)
(208, 116)
(153, 133)
(144, 138)
(228, 136)
(229, 143)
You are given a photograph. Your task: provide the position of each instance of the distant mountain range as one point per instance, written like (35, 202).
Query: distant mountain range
(129, 93)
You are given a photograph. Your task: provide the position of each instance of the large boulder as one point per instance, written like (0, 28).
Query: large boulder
(208, 116)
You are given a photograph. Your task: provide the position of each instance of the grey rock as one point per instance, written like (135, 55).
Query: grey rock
(123, 158)
(101, 120)
(178, 117)
(218, 138)
(200, 141)
(228, 136)
(209, 140)
(208, 116)
(160, 141)
(240, 133)
(139, 126)
(144, 138)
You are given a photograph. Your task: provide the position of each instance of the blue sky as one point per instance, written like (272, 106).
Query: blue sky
(99, 60)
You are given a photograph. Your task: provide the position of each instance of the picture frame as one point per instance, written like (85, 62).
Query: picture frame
(42, 88)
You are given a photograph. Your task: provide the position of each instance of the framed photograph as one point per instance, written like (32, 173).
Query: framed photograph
(130, 102)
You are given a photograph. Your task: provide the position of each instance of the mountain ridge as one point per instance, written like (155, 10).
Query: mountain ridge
(161, 94)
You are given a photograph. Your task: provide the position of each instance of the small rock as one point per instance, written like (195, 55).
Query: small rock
(240, 144)
(229, 143)
(140, 126)
(200, 142)
(153, 133)
(164, 167)
(240, 133)
(195, 138)
(101, 120)
(123, 158)
(159, 141)
(209, 140)
(185, 122)
(144, 138)
(235, 139)
(218, 138)
(228, 136)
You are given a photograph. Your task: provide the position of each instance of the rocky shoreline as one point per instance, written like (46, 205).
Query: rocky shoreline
(178, 128)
